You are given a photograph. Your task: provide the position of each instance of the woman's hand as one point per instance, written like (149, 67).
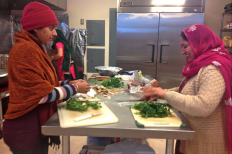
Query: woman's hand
(84, 87)
(149, 97)
(77, 81)
(146, 89)
(149, 89)
(51, 58)
(155, 84)
(51, 51)
(153, 93)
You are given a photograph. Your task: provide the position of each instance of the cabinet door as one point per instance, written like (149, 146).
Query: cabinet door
(95, 57)
(170, 61)
(96, 32)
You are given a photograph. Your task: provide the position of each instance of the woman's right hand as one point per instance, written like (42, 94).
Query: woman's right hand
(77, 81)
(84, 87)
(149, 97)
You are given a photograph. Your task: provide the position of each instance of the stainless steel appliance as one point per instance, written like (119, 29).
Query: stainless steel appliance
(148, 36)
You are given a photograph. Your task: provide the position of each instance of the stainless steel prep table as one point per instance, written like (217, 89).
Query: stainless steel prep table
(125, 127)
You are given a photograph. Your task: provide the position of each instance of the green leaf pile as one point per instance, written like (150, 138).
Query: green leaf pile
(93, 81)
(112, 83)
(75, 105)
(150, 109)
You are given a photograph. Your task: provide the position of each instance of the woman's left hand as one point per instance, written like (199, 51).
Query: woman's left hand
(146, 89)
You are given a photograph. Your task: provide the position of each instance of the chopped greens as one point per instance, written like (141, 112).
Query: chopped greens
(75, 105)
(93, 81)
(94, 106)
(112, 83)
(150, 109)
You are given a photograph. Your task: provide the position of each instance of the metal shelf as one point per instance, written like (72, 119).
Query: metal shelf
(222, 26)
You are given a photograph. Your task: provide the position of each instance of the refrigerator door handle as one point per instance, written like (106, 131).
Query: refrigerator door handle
(153, 53)
(161, 54)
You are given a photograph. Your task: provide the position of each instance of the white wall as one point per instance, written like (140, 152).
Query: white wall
(99, 10)
(213, 14)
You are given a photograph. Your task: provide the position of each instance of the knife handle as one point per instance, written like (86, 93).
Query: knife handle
(83, 117)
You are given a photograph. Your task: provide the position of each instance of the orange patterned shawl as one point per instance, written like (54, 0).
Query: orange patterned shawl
(31, 76)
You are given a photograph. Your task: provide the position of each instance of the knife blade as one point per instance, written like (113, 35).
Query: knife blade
(86, 116)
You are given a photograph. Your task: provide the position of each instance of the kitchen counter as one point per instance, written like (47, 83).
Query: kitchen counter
(126, 127)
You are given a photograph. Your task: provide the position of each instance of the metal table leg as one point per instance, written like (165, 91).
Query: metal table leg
(169, 146)
(65, 144)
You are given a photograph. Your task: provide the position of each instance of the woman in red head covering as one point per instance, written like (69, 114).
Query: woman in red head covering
(33, 84)
(204, 96)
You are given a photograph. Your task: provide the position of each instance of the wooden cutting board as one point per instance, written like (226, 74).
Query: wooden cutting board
(66, 117)
(170, 121)
(100, 78)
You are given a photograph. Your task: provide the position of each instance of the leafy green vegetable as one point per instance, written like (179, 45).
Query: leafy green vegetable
(95, 105)
(150, 109)
(112, 83)
(75, 105)
(93, 81)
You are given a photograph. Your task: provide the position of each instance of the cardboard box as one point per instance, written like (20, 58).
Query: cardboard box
(226, 40)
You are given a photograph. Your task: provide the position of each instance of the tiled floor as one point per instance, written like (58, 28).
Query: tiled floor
(78, 141)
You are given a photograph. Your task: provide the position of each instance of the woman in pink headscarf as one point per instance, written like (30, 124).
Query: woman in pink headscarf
(204, 96)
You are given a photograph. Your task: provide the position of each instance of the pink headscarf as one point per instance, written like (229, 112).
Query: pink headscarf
(209, 49)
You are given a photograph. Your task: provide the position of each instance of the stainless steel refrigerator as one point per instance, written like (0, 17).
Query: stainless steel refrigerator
(150, 41)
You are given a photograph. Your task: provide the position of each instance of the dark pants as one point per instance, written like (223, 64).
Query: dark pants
(42, 150)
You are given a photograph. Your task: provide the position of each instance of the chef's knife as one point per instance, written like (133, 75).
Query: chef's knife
(86, 116)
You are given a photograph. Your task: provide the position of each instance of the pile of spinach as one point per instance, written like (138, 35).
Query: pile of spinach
(75, 105)
(150, 109)
(112, 83)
